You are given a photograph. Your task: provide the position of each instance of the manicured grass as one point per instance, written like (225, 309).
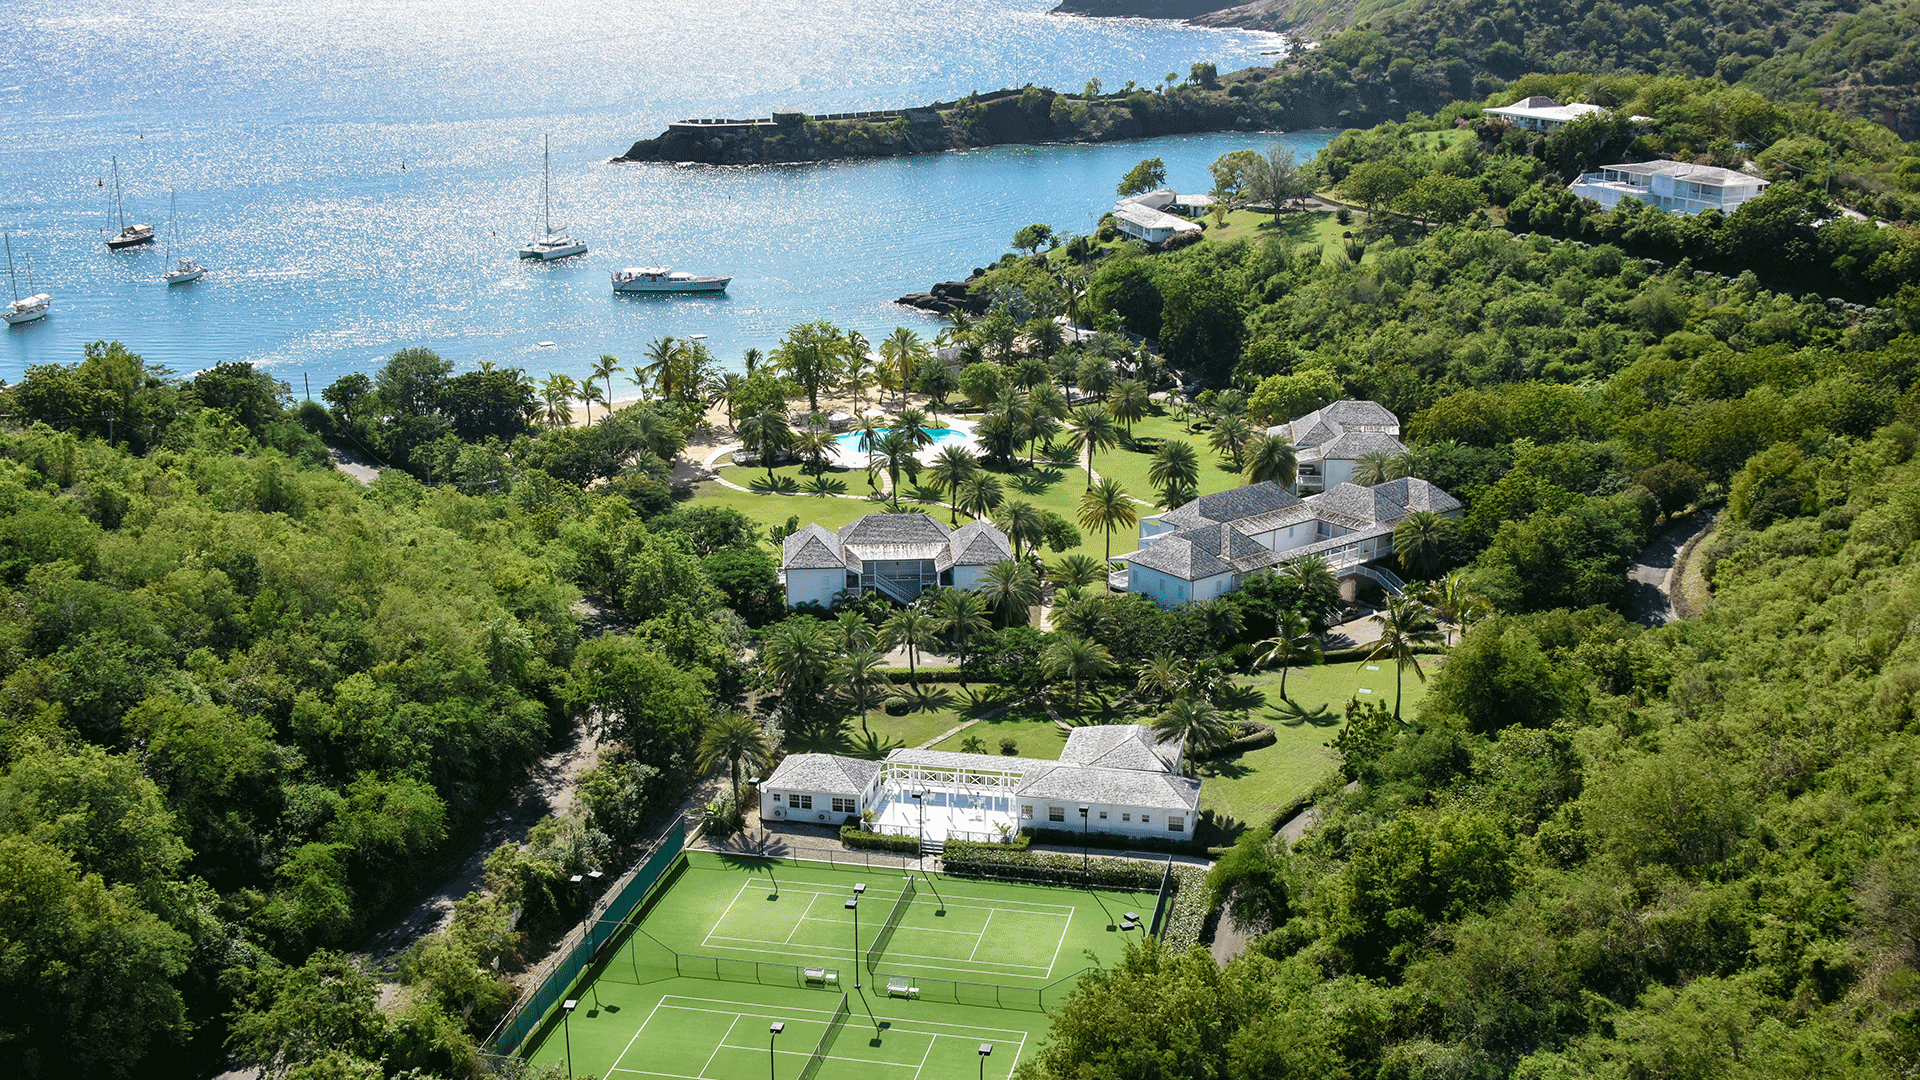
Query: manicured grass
(1040, 739)
(952, 708)
(768, 509)
(1297, 226)
(1128, 465)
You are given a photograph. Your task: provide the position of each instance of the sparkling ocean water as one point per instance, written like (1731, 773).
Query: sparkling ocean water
(358, 175)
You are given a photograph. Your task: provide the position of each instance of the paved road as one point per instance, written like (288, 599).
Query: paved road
(1654, 575)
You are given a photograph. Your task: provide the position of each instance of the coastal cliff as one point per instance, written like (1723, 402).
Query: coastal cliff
(1027, 115)
(1273, 16)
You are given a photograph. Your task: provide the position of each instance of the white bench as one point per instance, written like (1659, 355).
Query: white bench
(821, 976)
(898, 987)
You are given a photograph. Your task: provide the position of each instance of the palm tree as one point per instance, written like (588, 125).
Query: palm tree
(736, 739)
(1022, 523)
(815, 444)
(997, 435)
(751, 361)
(661, 355)
(859, 671)
(588, 394)
(1076, 572)
(913, 422)
(603, 369)
(1230, 437)
(853, 374)
(1038, 421)
(949, 469)
(895, 451)
(1420, 540)
(1078, 614)
(912, 628)
(1161, 676)
(852, 631)
(798, 654)
(1455, 601)
(960, 616)
(766, 433)
(728, 389)
(1106, 507)
(1129, 402)
(1313, 582)
(1405, 625)
(904, 350)
(1293, 641)
(1175, 467)
(558, 392)
(1195, 723)
(662, 437)
(1075, 659)
(1270, 457)
(1095, 430)
(1010, 587)
(1375, 468)
(979, 495)
(870, 428)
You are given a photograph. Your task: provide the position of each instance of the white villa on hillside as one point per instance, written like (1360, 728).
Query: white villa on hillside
(1118, 778)
(899, 556)
(1329, 442)
(1543, 114)
(1674, 186)
(1155, 215)
(1209, 546)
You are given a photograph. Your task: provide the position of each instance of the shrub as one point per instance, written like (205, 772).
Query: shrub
(856, 837)
(1248, 735)
(963, 858)
(1008, 745)
(897, 706)
(1109, 841)
(1187, 910)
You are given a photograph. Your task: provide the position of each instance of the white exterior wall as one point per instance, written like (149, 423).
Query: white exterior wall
(1299, 534)
(1161, 588)
(818, 586)
(1121, 820)
(1336, 471)
(1217, 585)
(968, 577)
(782, 804)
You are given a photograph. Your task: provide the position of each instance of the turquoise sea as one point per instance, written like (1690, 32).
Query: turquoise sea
(358, 175)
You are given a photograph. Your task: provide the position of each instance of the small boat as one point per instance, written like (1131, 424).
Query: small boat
(554, 243)
(130, 235)
(23, 310)
(647, 279)
(187, 270)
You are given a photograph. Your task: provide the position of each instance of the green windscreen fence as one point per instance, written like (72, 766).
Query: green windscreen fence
(585, 944)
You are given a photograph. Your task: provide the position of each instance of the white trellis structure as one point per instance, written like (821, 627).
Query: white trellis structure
(952, 800)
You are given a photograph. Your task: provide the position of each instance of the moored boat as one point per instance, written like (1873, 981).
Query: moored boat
(186, 270)
(660, 279)
(130, 235)
(23, 309)
(553, 243)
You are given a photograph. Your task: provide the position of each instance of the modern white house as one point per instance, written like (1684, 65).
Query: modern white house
(1117, 779)
(899, 556)
(1674, 186)
(1208, 547)
(1329, 442)
(1155, 215)
(1543, 114)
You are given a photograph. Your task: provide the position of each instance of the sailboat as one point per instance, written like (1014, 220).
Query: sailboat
(27, 310)
(555, 243)
(130, 235)
(187, 270)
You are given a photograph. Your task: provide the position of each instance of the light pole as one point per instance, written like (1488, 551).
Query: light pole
(985, 1050)
(586, 907)
(1083, 839)
(773, 1032)
(919, 797)
(754, 783)
(853, 905)
(566, 1027)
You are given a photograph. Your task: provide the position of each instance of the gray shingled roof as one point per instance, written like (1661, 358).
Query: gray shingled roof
(1114, 787)
(979, 544)
(1121, 746)
(1204, 551)
(1352, 445)
(1350, 413)
(1414, 493)
(1232, 505)
(950, 759)
(829, 773)
(893, 529)
(1350, 501)
(1327, 423)
(813, 547)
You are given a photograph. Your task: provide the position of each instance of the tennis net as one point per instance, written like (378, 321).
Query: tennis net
(885, 936)
(825, 1045)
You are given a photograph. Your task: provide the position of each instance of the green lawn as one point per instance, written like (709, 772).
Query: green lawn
(1038, 738)
(1298, 226)
(950, 708)
(1128, 465)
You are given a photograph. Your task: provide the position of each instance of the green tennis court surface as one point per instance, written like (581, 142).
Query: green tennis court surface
(735, 945)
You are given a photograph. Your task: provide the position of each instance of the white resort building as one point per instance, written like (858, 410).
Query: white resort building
(1674, 186)
(1156, 215)
(1116, 779)
(1542, 114)
(1329, 442)
(899, 556)
(1209, 546)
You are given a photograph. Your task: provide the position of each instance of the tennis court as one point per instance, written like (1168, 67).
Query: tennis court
(937, 967)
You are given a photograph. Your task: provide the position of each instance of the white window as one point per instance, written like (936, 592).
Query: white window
(1126, 817)
(1175, 824)
(1056, 813)
(1026, 813)
(776, 796)
(1103, 815)
(804, 802)
(1144, 819)
(843, 806)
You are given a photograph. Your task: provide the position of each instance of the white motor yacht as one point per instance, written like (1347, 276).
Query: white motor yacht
(660, 279)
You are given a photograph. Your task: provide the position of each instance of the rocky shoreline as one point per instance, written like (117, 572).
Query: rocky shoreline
(1028, 115)
(1272, 16)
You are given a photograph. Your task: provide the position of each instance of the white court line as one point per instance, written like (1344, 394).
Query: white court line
(985, 901)
(990, 964)
(723, 915)
(788, 1014)
(723, 1042)
(1061, 945)
(970, 1032)
(981, 938)
(637, 1031)
(804, 916)
(931, 1043)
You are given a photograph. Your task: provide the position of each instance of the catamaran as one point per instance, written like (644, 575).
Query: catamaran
(27, 310)
(130, 235)
(662, 279)
(186, 270)
(554, 243)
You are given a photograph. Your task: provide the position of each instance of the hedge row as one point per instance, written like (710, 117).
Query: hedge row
(966, 859)
(1253, 735)
(855, 836)
(1187, 913)
(1109, 841)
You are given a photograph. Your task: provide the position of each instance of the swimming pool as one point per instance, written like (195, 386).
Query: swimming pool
(850, 442)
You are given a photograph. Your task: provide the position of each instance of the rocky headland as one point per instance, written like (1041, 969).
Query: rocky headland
(1273, 16)
(1027, 115)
